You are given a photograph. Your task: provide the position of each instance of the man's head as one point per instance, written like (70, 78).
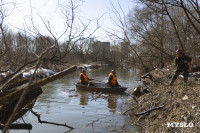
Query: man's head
(83, 71)
(113, 72)
(179, 52)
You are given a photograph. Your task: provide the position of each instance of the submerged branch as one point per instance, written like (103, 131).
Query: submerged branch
(18, 126)
(87, 125)
(40, 121)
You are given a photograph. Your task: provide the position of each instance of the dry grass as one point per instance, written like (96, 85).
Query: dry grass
(181, 104)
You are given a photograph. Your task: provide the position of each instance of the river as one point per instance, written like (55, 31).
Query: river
(60, 102)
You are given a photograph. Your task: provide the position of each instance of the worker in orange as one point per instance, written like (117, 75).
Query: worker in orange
(112, 79)
(84, 78)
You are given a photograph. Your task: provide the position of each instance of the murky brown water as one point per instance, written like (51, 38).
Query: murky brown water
(87, 113)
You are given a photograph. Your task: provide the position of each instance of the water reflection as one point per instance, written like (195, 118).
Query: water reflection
(111, 99)
(83, 99)
(58, 103)
(112, 104)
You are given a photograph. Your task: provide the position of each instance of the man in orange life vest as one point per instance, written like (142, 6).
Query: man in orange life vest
(84, 78)
(112, 79)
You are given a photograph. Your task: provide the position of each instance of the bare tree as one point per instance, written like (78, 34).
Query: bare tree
(190, 8)
(43, 48)
(122, 32)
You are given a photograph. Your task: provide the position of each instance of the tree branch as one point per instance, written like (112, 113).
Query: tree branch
(41, 121)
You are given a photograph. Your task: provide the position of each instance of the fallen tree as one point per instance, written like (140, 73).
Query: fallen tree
(9, 101)
(15, 94)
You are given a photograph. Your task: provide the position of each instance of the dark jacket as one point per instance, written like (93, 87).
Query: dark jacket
(181, 62)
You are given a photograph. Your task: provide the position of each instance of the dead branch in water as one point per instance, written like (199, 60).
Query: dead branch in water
(18, 126)
(40, 121)
(127, 111)
(119, 130)
(149, 111)
(11, 97)
(87, 125)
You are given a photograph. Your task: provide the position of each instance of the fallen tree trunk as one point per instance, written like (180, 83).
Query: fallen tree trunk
(12, 87)
(28, 103)
(16, 94)
(18, 126)
(18, 83)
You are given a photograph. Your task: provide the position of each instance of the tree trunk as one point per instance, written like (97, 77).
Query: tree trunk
(16, 94)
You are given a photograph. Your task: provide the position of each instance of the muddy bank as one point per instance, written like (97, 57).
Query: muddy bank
(167, 108)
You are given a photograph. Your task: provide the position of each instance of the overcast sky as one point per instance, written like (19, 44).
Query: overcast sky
(49, 10)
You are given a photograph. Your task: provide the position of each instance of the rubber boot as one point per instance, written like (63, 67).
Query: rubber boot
(185, 80)
(185, 74)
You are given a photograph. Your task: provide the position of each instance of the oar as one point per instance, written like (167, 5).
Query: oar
(88, 85)
(99, 81)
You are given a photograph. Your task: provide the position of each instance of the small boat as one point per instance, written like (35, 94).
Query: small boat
(100, 87)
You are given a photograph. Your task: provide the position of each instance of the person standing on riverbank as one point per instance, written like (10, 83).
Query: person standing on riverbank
(181, 62)
(112, 79)
(84, 78)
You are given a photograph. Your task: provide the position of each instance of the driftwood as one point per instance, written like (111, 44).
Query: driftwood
(148, 76)
(17, 98)
(12, 87)
(149, 111)
(28, 103)
(127, 111)
(117, 130)
(18, 126)
(87, 126)
(16, 94)
(40, 121)
(18, 83)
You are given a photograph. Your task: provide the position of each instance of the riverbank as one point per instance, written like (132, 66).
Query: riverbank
(48, 70)
(167, 108)
(80, 65)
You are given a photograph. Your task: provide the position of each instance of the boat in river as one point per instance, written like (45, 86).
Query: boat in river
(100, 87)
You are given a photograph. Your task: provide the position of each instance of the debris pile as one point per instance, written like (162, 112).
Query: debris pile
(166, 108)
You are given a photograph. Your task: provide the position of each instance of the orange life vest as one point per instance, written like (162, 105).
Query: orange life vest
(114, 80)
(85, 77)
